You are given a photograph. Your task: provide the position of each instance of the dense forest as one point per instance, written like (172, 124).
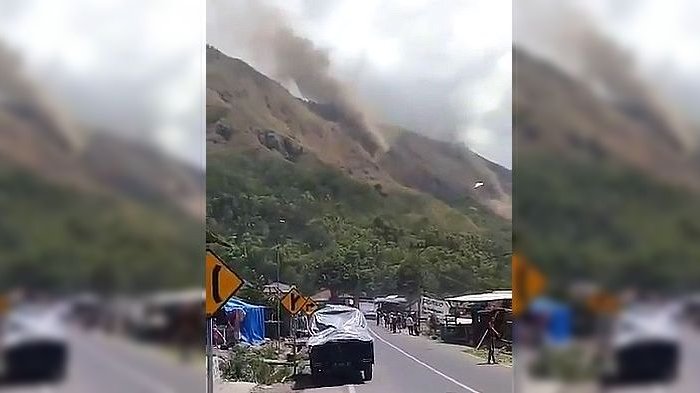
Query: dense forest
(330, 231)
(597, 221)
(58, 238)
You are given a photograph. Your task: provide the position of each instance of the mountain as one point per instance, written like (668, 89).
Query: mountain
(555, 112)
(294, 177)
(87, 210)
(37, 135)
(606, 191)
(268, 117)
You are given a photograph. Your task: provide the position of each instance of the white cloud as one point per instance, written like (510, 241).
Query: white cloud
(130, 66)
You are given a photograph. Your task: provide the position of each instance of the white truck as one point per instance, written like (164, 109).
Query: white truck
(645, 344)
(33, 345)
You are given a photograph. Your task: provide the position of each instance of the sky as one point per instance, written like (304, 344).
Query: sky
(130, 67)
(660, 37)
(442, 68)
(439, 68)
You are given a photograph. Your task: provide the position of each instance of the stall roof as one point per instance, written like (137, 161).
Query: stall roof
(276, 288)
(396, 299)
(483, 297)
(194, 295)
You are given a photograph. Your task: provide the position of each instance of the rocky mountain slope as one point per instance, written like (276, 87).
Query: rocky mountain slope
(248, 111)
(87, 210)
(293, 181)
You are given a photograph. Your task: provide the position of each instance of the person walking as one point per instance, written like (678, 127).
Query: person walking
(492, 336)
(432, 324)
(409, 325)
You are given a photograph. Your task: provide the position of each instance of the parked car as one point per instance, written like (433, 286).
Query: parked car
(340, 340)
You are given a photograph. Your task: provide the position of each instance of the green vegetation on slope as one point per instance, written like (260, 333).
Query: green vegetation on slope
(331, 231)
(591, 220)
(58, 238)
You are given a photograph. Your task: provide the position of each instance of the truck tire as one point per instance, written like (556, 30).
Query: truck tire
(367, 373)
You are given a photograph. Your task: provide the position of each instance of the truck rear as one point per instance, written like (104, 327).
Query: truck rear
(340, 340)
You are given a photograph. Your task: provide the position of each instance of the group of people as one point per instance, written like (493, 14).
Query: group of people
(397, 322)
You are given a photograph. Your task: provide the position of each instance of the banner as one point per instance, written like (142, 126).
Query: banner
(429, 306)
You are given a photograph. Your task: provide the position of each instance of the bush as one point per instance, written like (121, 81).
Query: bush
(565, 364)
(247, 364)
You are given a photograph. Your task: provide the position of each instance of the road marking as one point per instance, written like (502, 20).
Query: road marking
(351, 389)
(143, 379)
(438, 372)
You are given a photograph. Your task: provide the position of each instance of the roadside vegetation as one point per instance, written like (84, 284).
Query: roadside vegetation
(248, 364)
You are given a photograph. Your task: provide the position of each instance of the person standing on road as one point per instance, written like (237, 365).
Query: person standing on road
(493, 335)
(409, 325)
(432, 324)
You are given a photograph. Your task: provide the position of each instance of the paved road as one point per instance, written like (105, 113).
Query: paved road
(406, 364)
(110, 365)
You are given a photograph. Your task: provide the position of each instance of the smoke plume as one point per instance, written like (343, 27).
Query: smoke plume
(297, 58)
(26, 100)
(570, 38)
(269, 39)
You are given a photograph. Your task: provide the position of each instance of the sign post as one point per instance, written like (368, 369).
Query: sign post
(210, 356)
(293, 301)
(220, 284)
(309, 306)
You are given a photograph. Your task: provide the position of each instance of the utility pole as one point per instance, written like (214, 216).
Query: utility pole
(279, 314)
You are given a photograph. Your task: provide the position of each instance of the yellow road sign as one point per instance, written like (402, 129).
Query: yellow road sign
(309, 306)
(220, 283)
(293, 301)
(603, 303)
(4, 305)
(528, 283)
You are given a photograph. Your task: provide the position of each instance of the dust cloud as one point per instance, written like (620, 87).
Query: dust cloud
(571, 39)
(268, 38)
(26, 100)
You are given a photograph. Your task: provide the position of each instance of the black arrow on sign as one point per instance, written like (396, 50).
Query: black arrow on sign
(294, 299)
(215, 284)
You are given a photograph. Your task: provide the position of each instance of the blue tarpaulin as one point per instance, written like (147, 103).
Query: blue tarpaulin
(558, 316)
(253, 325)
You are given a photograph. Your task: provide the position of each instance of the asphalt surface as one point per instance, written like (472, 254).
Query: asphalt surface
(407, 364)
(104, 364)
